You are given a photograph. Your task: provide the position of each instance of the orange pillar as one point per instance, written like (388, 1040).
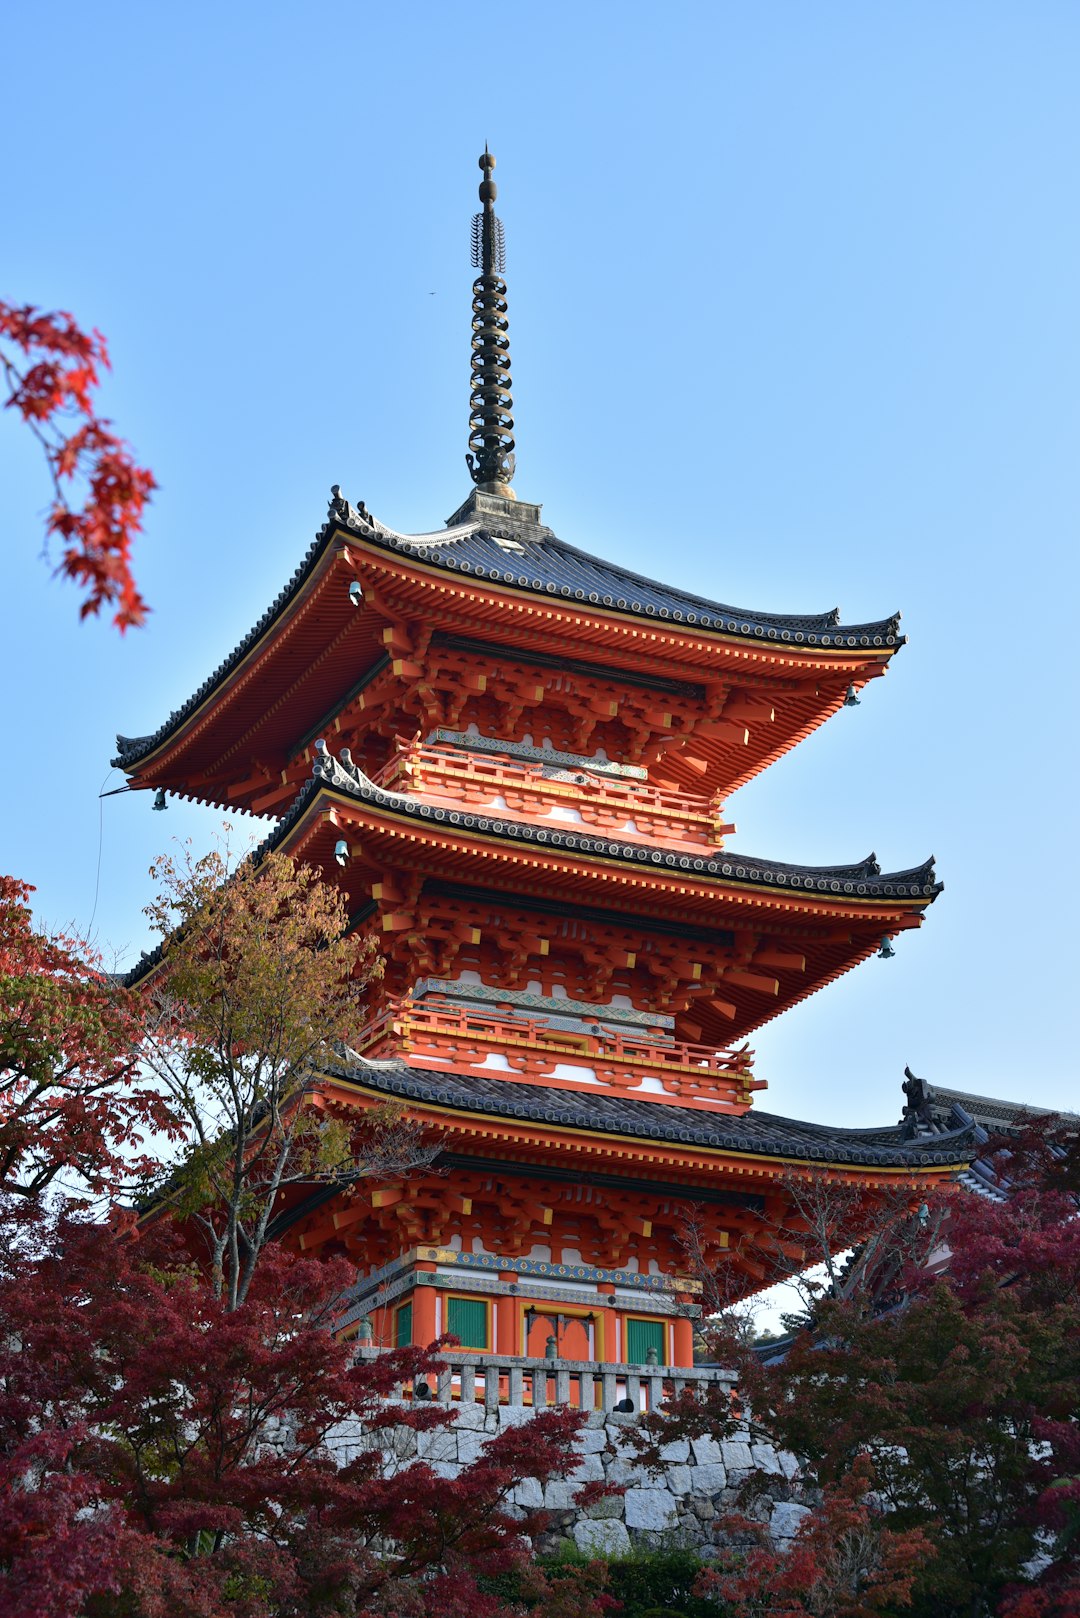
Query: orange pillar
(605, 1349)
(423, 1315)
(683, 1333)
(507, 1310)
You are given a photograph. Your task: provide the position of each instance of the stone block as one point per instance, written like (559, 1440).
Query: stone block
(470, 1446)
(402, 1443)
(590, 1469)
(650, 1509)
(603, 1510)
(471, 1416)
(785, 1519)
(445, 1469)
(592, 1440)
(528, 1493)
(704, 1508)
(677, 1450)
(707, 1451)
(765, 1458)
(559, 1495)
(606, 1537)
(737, 1456)
(438, 1445)
(514, 1415)
(342, 1435)
(676, 1479)
(616, 1470)
(789, 1464)
(709, 1479)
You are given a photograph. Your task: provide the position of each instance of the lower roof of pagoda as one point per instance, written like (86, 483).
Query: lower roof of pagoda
(517, 584)
(491, 1104)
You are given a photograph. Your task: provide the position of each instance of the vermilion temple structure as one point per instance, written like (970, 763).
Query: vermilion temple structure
(513, 759)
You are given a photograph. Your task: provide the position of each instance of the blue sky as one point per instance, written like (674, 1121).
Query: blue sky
(794, 315)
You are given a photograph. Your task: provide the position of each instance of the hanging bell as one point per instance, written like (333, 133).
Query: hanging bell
(159, 799)
(851, 700)
(886, 952)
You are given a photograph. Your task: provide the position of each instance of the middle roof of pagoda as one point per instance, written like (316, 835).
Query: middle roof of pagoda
(863, 880)
(499, 575)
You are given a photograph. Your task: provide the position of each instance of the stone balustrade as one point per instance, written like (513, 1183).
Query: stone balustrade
(469, 1377)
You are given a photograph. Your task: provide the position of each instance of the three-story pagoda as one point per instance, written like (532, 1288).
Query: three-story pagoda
(513, 759)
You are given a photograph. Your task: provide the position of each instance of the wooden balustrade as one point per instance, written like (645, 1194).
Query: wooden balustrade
(605, 802)
(532, 1048)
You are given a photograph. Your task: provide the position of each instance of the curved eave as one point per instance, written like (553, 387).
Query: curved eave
(756, 1137)
(682, 634)
(554, 570)
(138, 752)
(727, 891)
(855, 887)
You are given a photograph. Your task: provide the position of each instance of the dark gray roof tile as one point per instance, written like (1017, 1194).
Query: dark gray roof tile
(546, 566)
(755, 1131)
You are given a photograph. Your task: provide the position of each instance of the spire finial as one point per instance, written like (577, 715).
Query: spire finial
(491, 425)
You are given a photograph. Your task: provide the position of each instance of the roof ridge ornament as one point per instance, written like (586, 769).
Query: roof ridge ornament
(491, 425)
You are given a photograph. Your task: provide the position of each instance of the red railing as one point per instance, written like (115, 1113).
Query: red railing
(599, 799)
(464, 1036)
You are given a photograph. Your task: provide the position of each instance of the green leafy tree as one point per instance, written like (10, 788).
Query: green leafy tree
(259, 982)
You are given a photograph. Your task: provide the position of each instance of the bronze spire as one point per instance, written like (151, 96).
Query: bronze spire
(491, 425)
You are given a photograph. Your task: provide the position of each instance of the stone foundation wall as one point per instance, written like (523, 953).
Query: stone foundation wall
(677, 1506)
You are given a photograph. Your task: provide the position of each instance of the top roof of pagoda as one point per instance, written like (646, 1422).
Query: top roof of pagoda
(505, 542)
(503, 545)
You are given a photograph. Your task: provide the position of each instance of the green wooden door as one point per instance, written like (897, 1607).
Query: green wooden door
(403, 1326)
(641, 1335)
(466, 1318)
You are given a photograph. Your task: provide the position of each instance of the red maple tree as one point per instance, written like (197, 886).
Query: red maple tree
(172, 1445)
(69, 1043)
(963, 1392)
(843, 1562)
(161, 1452)
(52, 368)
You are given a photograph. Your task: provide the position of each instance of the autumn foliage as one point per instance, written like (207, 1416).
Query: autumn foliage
(163, 1453)
(259, 987)
(69, 1043)
(951, 1414)
(181, 1428)
(844, 1561)
(51, 369)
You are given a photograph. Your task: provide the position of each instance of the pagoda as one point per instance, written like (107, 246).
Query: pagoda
(513, 760)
